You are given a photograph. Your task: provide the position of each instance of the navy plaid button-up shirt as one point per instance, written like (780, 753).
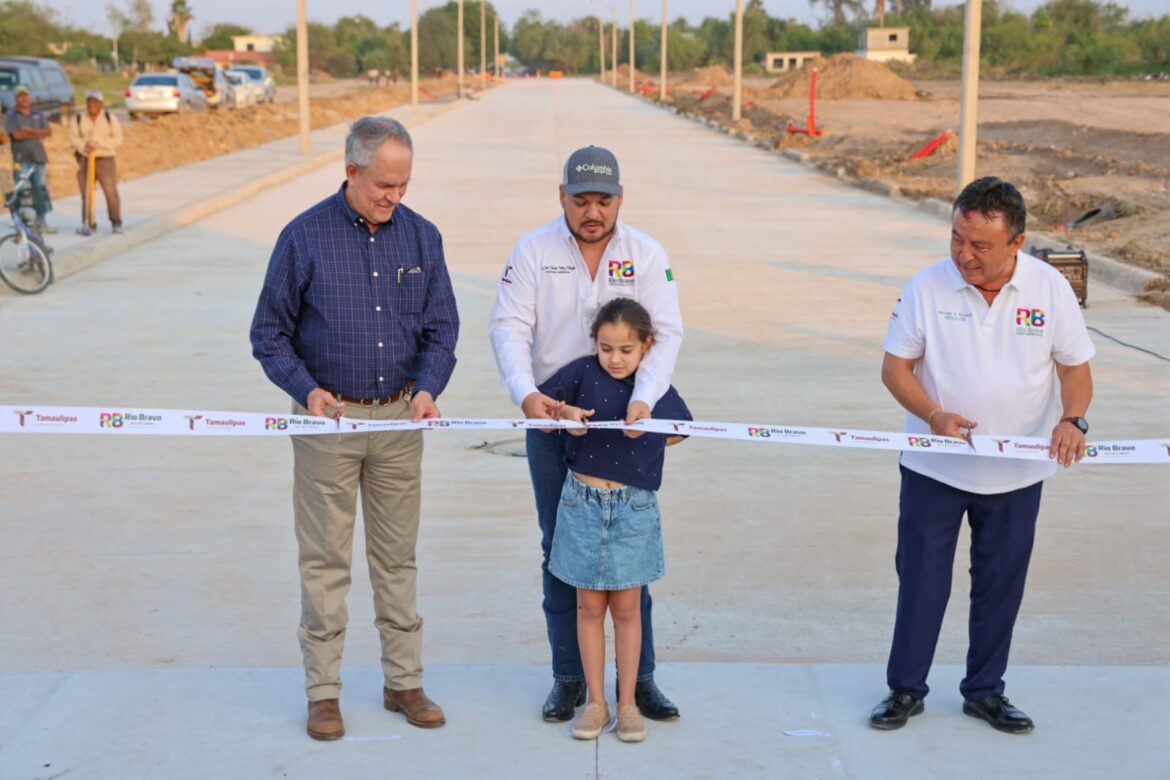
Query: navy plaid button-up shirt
(355, 312)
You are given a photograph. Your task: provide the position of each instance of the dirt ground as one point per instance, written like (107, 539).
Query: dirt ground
(157, 144)
(1069, 145)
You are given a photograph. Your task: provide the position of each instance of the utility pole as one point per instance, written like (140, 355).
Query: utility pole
(631, 46)
(482, 44)
(662, 68)
(737, 89)
(601, 46)
(303, 75)
(497, 68)
(613, 34)
(969, 93)
(459, 45)
(414, 53)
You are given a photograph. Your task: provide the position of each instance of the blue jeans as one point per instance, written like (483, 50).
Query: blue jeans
(1003, 528)
(546, 466)
(40, 192)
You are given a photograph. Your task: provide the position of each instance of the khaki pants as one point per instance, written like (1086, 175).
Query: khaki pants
(329, 472)
(105, 171)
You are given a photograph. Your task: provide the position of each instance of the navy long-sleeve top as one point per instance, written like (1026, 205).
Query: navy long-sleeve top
(610, 454)
(355, 312)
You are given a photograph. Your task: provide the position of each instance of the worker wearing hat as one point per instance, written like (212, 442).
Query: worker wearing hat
(97, 133)
(28, 130)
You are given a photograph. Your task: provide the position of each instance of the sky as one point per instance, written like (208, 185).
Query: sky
(272, 16)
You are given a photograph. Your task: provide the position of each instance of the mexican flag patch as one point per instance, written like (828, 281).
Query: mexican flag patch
(669, 275)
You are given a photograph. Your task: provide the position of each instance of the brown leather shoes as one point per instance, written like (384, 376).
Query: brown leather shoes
(325, 720)
(419, 710)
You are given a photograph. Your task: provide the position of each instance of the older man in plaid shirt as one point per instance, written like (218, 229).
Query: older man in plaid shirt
(357, 317)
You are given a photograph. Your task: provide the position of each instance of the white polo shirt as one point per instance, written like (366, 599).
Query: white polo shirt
(993, 364)
(546, 302)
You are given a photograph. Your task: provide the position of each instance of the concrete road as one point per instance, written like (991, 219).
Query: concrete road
(150, 592)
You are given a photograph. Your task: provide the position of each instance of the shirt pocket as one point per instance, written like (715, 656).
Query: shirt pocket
(409, 293)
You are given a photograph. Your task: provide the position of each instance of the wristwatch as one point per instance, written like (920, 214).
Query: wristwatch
(1080, 422)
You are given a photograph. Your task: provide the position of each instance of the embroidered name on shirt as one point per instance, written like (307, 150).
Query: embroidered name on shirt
(1029, 322)
(955, 316)
(557, 269)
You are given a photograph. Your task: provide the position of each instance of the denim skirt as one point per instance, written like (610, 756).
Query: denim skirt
(607, 539)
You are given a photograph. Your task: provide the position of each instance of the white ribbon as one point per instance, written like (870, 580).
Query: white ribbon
(32, 418)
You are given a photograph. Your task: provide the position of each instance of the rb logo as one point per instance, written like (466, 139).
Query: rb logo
(1030, 317)
(111, 420)
(276, 423)
(622, 268)
(918, 441)
(762, 433)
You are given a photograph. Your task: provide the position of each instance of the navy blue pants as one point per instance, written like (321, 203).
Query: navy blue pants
(1003, 527)
(546, 465)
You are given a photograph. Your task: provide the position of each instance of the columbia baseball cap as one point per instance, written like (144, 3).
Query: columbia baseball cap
(95, 94)
(21, 89)
(591, 169)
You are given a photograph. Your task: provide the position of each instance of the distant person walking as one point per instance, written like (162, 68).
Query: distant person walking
(97, 133)
(990, 338)
(28, 130)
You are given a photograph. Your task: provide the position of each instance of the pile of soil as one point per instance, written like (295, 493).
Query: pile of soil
(1069, 156)
(623, 75)
(710, 76)
(152, 145)
(844, 76)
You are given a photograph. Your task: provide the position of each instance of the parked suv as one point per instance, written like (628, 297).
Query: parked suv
(51, 90)
(208, 77)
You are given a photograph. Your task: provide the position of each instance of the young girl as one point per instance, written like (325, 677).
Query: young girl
(608, 538)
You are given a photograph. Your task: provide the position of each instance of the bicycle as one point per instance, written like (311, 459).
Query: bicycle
(24, 257)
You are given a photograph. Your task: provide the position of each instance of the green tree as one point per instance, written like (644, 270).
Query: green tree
(684, 48)
(181, 16)
(324, 52)
(220, 35)
(436, 40)
(26, 27)
(840, 10)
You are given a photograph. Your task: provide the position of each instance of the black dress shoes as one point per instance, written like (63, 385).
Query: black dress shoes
(652, 703)
(895, 710)
(563, 700)
(1000, 713)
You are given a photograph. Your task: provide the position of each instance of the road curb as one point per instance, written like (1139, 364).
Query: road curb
(70, 261)
(1102, 269)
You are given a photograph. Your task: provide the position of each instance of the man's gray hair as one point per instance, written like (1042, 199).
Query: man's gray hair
(370, 132)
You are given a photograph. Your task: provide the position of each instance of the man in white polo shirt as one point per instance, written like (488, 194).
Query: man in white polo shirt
(990, 339)
(553, 283)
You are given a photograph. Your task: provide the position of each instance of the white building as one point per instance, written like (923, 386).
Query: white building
(886, 44)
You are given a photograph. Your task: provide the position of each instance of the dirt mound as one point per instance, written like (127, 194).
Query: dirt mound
(845, 76)
(152, 145)
(623, 75)
(710, 76)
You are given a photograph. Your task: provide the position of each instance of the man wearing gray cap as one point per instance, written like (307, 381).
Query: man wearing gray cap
(96, 135)
(553, 283)
(28, 129)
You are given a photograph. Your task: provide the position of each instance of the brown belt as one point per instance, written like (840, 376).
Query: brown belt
(389, 399)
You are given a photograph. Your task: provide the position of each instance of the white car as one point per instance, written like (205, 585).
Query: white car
(163, 93)
(241, 91)
(259, 76)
